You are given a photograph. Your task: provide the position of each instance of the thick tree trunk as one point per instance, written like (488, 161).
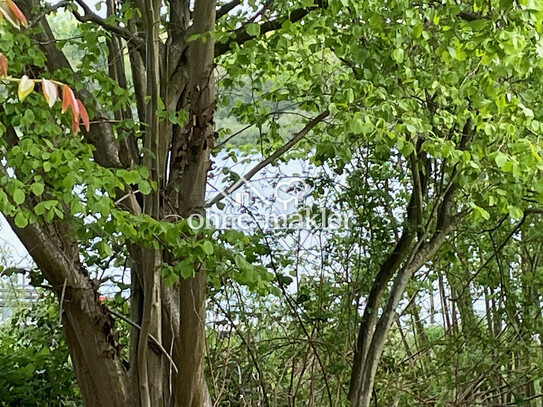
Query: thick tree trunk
(88, 328)
(166, 360)
(181, 75)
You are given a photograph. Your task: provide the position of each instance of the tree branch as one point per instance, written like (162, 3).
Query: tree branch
(257, 168)
(226, 8)
(47, 10)
(90, 16)
(241, 35)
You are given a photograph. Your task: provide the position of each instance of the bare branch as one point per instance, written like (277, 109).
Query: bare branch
(257, 168)
(226, 8)
(90, 16)
(48, 10)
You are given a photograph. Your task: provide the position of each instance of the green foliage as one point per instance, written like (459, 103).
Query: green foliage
(36, 369)
(444, 90)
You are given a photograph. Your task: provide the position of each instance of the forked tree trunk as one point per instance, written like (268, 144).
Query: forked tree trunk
(181, 75)
(417, 245)
(165, 366)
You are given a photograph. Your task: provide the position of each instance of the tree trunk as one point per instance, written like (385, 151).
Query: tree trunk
(182, 77)
(88, 328)
(407, 257)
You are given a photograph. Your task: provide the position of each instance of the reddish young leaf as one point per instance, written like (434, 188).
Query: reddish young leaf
(84, 115)
(17, 13)
(12, 13)
(69, 100)
(6, 13)
(3, 65)
(75, 124)
(50, 92)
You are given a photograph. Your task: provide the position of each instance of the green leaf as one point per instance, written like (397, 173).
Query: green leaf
(398, 55)
(515, 212)
(500, 159)
(242, 263)
(357, 125)
(208, 247)
(39, 209)
(253, 29)
(417, 31)
(145, 188)
(131, 177)
(480, 212)
(18, 196)
(37, 188)
(21, 220)
(186, 269)
(407, 149)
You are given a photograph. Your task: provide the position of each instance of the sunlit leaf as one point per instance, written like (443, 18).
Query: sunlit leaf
(253, 29)
(50, 92)
(26, 86)
(21, 220)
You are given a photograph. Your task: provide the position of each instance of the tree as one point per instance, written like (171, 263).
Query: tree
(403, 101)
(125, 184)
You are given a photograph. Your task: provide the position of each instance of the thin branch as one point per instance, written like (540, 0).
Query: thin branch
(249, 350)
(61, 303)
(270, 159)
(241, 35)
(90, 16)
(496, 252)
(265, 7)
(47, 10)
(226, 8)
(237, 133)
(153, 339)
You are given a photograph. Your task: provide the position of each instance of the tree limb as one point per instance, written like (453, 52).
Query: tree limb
(241, 35)
(90, 16)
(257, 168)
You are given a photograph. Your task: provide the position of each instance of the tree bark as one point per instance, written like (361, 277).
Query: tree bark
(180, 75)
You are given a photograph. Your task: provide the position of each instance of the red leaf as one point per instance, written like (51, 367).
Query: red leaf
(3, 65)
(75, 124)
(8, 15)
(17, 13)
(84, 115)
(69, 100)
